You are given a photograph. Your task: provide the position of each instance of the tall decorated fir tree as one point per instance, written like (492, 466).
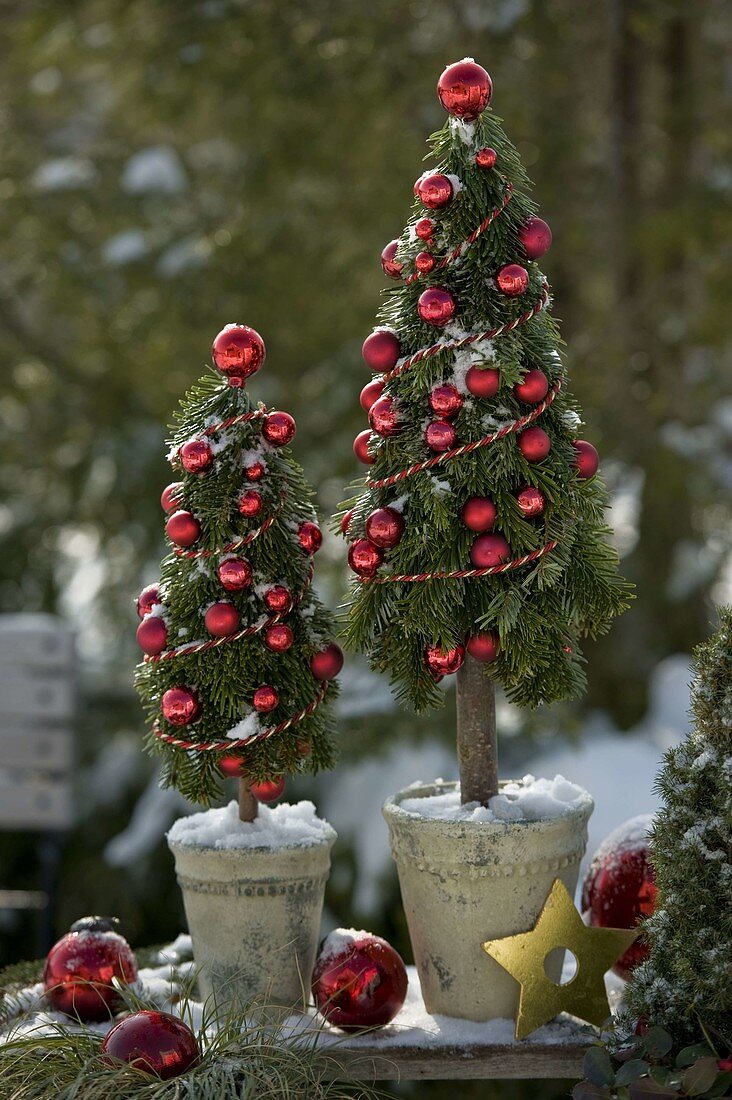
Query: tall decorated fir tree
(239, 657)
(478, 538)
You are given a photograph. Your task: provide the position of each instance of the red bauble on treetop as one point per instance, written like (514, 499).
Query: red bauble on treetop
(155, 1043)
(80, 970)
(465, 89)
(385, 527)
(381, 350)
(359, 980)
(390, 266)
(238, 352)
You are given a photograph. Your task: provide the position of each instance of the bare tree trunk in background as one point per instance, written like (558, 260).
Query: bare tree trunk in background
(477, 744)
(248, 805)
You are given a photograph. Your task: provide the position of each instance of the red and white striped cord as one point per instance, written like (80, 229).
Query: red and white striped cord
(459, 574)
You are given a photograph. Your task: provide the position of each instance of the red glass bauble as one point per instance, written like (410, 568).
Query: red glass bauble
(478, 514)
(152, 1042)
(180, 706)
(309, 536)
(346, 520)
(436, 306)
(534, 444)
(278, 599)
(465, 89)
(270, 790)
(147, 599)
(445, 401)
(171, 496)
(231, 766)
(513, 280)
(80, 968)
(361, 447)
(278, 637)
(536, 238)
(533, 388)
(250, 503)
(183, 528)
(152, 635)
(383, 417)
(238, 352)
(235, 574)
(443, 662)
(531, 501)
(486, 157)
(483, 381)
(434, 190)
(424, 262)
(364, 557)
(195, 456)
(359, 980)
(327, 663)
(221, 619)
(488, 551)
(389, 264)
(440, 435)
(265, 699)
(279, 428)
(483, 645)
(381, 350)
(371, 393)
(619, 889)
(424, 228)
(586, 458)
(385, 527)
(255, 471)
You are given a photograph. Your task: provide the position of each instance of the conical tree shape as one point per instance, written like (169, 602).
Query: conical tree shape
(481, 523)
(239, 652)
(686, 982)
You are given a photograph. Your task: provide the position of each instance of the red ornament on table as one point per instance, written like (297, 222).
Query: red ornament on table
(383, 417)
(444, 662)
(478, 514)
(195, 456)
(180, 706)
(488, 551)
(445, 401)
(346, 520)
(183, 529)
(484, 645)
(365, 557)
(279, 428)
(483, 381)
(222, 619)
(534, 444)
(586, 459)
(619, 889)
(465, 89)
(513, 280)
(235, 574)
(152, 635)
(385, 527)
(389, 265)
(536, 238)
(238, 352)
(359, 980)
(278, 637)
(270, 790)
(171, 496)
(371, 393)
(255, 471)
(147, 599)
(278, 599)
(424, 228)
(440, 436)
(81, 966)
(486, 157)
(533, 388)
(309, 536)
(361, 447)
(265, 699)
(434, 190)
(531, 501)
(250, 503)
(424, 262)
(327, 663)
(436, 306)
(380, 350)
(153, 1042)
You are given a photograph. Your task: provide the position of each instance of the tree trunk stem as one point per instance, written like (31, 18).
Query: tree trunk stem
(248, 805)
(476, 733)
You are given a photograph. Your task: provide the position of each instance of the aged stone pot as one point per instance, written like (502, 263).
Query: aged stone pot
(464, 882)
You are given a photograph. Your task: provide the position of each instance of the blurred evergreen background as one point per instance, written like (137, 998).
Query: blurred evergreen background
(168, 167)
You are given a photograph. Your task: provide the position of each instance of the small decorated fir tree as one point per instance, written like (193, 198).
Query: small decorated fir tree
(479, 538)
(238, 653)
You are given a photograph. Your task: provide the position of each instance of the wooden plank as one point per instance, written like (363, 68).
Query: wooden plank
(35, 804)
(36, 749)
(38, 641)
(36, 698)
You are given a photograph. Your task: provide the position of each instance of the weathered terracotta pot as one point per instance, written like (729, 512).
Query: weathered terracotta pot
(465, 882)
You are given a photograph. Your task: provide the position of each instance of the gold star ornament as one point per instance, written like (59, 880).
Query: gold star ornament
(595, 950)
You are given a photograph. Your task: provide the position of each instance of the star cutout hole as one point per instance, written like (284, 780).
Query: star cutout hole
(561, 966)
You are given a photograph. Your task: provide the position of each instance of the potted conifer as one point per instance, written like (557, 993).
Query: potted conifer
(236, 680)
(479, 544)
